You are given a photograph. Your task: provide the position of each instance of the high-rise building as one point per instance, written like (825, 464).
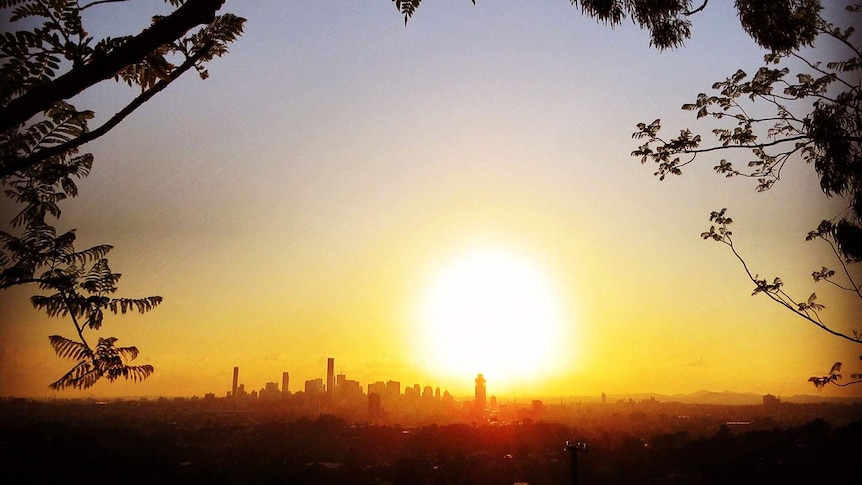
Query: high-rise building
(270, 391)
(375, 409)
(313, 386)
(378, 388)
(285, 383)
(235, 381)
(330, 375)
(393, 389)
(479, 405)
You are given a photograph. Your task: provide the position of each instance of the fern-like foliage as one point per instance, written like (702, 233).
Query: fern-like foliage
(40, 163)
(108, 361)
(70, 349)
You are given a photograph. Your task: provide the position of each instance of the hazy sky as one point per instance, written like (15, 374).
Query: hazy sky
(303, 202)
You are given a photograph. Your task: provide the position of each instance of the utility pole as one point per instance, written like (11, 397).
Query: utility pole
(574, 448)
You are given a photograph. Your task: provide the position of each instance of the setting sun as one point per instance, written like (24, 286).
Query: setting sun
(490, 311)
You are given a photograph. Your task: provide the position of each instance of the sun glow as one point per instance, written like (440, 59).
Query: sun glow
(493, 312)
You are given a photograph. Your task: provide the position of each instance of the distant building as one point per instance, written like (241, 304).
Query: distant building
(493, 402)
(604, 398)
(348, 388)
(235, 382)
(314, 386)
(537, 406)
(393, 389)
(330, 375)
(375, 409)
(378, 388)
(285, 383)
(410, 392)
(447, 400)
(480, 394)
(270, 391)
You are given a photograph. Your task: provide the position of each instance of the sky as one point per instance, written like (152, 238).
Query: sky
(337, 168)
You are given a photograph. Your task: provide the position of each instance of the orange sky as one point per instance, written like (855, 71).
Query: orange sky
(299, 203)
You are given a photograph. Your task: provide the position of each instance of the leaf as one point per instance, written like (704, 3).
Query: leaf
(69, 349)
(82, 376)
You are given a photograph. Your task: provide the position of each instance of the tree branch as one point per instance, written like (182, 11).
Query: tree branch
(783, 303)
(748, 147)
(41, 155)
(698, 9)
(97, 2)
(102, 67)
(846, 383)
(4, 286)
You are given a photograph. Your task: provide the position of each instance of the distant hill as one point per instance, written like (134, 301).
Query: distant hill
(726, 397)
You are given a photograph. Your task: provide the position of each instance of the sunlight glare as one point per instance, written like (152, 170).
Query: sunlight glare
(492, 312)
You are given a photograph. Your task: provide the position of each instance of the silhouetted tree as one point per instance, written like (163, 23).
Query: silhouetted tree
(774, 24)
(40, 136)
(815, 117)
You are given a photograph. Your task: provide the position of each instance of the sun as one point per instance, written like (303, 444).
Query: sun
(494, 312)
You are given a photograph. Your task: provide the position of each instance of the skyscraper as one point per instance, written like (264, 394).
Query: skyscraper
(235, 382)
(330, 375)
(479, 405)
(285, 381)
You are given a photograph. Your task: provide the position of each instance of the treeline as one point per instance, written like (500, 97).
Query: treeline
(71, 448)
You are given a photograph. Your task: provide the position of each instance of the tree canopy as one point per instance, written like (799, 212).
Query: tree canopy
(780, 25)
(40, 136)
(813, 116)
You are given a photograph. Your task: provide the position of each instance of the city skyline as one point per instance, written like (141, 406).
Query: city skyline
(434, 201)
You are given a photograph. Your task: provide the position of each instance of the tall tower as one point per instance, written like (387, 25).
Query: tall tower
(285, 383)
(479, 405)
(330, 375)
(235, 382)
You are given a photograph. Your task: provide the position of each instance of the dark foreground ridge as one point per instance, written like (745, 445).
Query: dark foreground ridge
(629, 443)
